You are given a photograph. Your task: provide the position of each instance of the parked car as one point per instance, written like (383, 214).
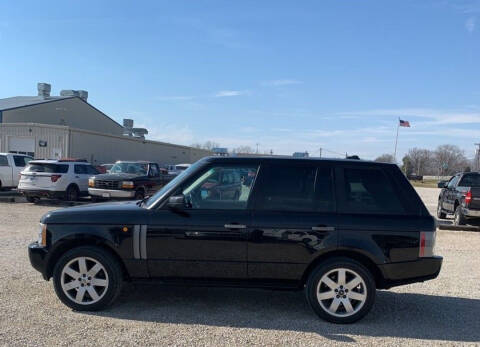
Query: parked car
(10, 167)
(177, 168)
(64, 178)
(339, 229)
(128, 180)
(460, 196)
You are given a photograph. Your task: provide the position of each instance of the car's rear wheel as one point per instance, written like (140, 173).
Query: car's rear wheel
(87, 278)
(440, 213)
(459, 218)
(33, 199)
(341, 290)
(72, 193)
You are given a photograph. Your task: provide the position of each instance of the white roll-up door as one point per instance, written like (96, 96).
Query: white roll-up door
(21, 145)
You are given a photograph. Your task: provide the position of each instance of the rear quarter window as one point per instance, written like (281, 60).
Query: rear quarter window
(3, 160)
(369, 191)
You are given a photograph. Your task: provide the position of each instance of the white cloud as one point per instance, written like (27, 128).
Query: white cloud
(281, 82)
(224, 93)
(470, 24)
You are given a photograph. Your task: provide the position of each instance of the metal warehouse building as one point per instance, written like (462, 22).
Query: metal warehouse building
(47, 126)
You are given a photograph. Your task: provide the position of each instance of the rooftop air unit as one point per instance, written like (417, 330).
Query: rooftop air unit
(44, 90)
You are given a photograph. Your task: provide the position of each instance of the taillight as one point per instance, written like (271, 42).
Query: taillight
(427, 244)
(468, 198)
(55, 178)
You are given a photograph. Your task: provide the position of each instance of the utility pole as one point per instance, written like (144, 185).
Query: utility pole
(320, 155)
(257, 147)
(477, 157)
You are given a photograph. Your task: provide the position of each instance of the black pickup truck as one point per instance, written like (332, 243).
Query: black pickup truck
(128, 180)
(460, 196)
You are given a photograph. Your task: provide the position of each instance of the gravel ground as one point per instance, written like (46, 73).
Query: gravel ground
(443, 311)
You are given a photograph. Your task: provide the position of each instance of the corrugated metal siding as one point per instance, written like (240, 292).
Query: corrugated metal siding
(56, 138)
(96, 147)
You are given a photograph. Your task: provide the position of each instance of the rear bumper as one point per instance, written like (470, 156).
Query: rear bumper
(423, 269)
(110, 193)
(42, 193)
(470, 213)
(38, 258)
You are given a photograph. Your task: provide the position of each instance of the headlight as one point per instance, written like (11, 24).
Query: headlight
(128, 184)
(91, 182)
(42, 235)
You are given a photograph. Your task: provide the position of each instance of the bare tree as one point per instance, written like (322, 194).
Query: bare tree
(385, 158)
(419, 161)
(208, 145)
(243, 150)
(449, 159)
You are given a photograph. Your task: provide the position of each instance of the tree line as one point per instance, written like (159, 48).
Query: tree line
(445, 160)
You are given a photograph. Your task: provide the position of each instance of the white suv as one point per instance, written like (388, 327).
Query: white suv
(66, 179)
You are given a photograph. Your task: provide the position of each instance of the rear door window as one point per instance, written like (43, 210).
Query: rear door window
(370, 191)
(48, 168)
(20, 160)
(296, 188)
(80, 169)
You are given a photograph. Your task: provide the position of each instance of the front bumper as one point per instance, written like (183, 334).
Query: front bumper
(423, 269)
(470, 213)
(38, 258)
(110, 193)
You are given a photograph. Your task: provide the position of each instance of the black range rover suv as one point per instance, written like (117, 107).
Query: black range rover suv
(340, 229)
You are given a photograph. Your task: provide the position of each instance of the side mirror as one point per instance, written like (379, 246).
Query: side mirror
(176, 202)
(442, 184)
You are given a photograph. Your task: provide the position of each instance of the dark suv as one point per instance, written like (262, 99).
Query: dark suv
(340, 229)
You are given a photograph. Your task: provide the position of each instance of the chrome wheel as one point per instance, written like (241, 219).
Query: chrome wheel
(84, 280)
(341, 292)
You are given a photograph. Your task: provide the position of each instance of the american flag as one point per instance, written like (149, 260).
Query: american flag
(404, 123)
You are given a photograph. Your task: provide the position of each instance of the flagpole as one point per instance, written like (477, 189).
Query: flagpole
(396, 141)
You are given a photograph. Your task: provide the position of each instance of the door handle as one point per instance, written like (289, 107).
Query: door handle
(323, 228)
(192, 233)
(235, 226)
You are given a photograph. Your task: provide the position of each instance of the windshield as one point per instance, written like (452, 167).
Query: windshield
(172, 183)
(139, 169)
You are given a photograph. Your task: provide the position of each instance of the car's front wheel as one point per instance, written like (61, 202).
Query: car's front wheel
(87, 278)
(440, 213)
(341, 290)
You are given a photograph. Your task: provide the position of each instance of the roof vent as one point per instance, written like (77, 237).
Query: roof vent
(139, 133)
(69, 92)
(83, 94)
(44, 90)
(127, 127)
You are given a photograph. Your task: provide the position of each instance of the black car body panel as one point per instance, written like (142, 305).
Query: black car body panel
(252, 245)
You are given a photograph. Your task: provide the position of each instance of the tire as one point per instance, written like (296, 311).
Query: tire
(109, 279)
(33, 199)
(458, 217)
(139, 194)
(72, 193)
(337, 297)
(440, 213)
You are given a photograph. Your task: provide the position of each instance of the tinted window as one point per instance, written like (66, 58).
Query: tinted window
(80, 169)
(470, 180)
(288, 188)
(370, 191)
(21, 161)
(221, 188)
(49, 168)
(91, 170)
(3, 160)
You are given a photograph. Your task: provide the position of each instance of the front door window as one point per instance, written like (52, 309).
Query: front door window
(221, 188)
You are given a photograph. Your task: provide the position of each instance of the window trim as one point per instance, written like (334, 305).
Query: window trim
(341, 193)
